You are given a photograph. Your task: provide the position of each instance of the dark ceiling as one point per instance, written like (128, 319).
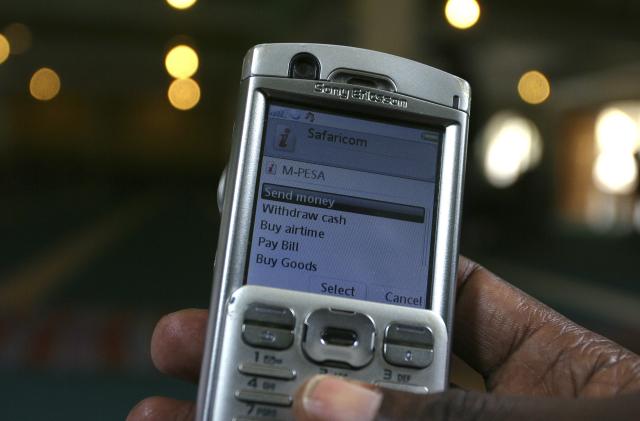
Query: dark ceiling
(116, 46)
(110, 54)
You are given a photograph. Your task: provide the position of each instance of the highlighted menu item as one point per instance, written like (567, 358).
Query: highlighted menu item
(342, 203)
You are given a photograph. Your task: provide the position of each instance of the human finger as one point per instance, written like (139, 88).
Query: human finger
(326, 398)
(159, 408)
(521, 346)
(177, 343)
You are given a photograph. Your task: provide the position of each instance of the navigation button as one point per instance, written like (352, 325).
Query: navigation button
(263, 370)
(333, 335)
(269, 398)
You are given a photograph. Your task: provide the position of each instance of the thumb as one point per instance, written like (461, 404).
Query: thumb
(326, 398)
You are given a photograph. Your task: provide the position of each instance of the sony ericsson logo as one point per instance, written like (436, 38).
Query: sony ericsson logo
(359, 94)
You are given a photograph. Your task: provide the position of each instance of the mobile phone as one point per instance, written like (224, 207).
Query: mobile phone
(340, 215)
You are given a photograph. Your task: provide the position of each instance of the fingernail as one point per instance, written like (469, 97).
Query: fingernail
(331, 398)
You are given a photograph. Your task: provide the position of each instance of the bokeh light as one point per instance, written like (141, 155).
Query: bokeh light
(19, 36)
(181, 4)
(616, 131)
(181, 62)
(534, 87)
(44, 84)
(615, 173)
(462, 14)
(5, 49)
(617, 136)
(184, 94)
(511, 145)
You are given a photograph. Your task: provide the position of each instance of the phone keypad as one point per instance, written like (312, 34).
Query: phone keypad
(272, 328)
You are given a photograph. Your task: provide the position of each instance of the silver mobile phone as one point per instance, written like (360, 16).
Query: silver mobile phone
(338, 243)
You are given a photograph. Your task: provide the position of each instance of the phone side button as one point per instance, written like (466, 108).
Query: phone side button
(263, 370)
(269, 398)
(411, 388)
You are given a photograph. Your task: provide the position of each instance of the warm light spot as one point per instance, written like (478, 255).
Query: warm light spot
(511, 146)
(5, 49)
(534, 87)
(19, 37)
(617, 138)
(462, 14)
(184, 94)
(181, 62)
(615, 172)
(45, 84)
(181, 4)
(617, 131)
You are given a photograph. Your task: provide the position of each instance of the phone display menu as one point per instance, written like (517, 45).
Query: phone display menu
(345, 207)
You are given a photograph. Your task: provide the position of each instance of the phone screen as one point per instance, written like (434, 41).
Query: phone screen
(345, 206)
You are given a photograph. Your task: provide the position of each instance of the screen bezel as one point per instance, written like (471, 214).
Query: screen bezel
(360, 115)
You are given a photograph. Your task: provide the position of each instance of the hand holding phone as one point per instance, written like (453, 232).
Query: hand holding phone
(483, 340)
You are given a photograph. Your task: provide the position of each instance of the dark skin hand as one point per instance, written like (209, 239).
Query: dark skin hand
(536, 365)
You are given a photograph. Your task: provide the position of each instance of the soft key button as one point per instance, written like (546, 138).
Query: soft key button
(408, 345)
(268, 326)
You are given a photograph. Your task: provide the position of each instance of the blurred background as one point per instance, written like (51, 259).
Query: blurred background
(115, 120)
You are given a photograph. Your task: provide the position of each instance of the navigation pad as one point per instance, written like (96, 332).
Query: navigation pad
(334, 336)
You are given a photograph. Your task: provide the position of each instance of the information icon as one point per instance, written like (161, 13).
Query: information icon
(285, 140)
